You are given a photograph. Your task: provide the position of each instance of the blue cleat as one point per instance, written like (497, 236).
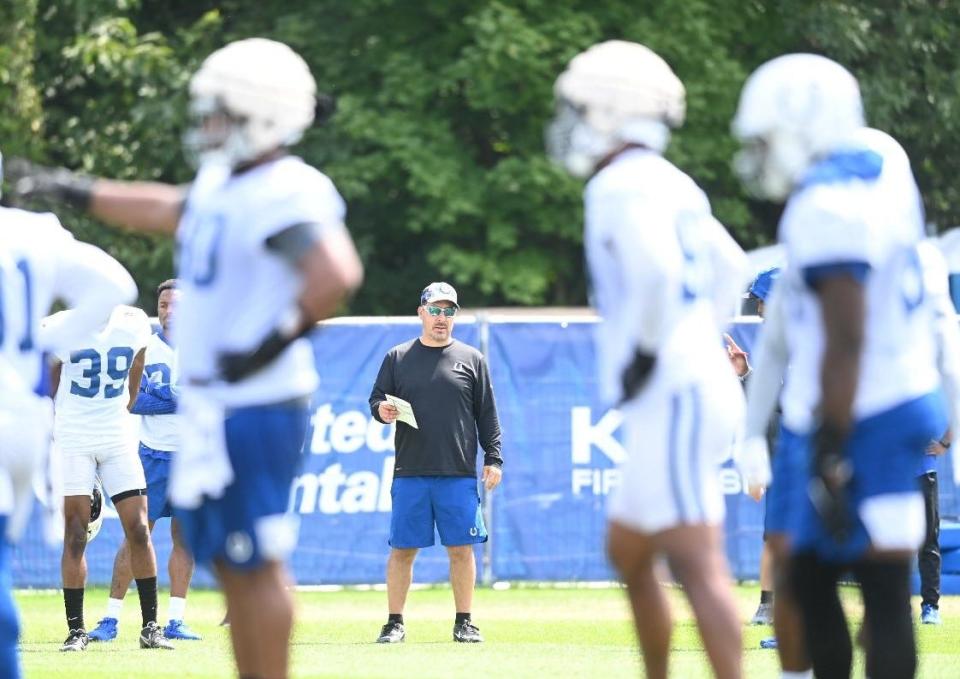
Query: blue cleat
(106, 630)
(930, 615)
(769, 642)
(177, 629)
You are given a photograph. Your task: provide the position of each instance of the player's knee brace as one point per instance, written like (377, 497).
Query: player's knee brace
(891, 648)
(814, 587)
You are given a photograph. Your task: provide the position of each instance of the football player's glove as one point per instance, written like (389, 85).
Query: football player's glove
(828, 486)
(29, 181)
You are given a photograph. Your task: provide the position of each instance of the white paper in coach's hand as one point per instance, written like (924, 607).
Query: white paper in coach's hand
(404, 409)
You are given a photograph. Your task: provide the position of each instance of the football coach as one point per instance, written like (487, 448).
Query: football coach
(447, 384)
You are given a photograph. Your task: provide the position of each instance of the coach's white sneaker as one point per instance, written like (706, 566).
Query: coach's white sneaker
(466, 632)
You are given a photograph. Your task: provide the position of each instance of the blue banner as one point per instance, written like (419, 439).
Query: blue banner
(547, 519)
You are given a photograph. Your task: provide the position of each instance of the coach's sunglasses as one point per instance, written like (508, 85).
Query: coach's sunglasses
(448, 311)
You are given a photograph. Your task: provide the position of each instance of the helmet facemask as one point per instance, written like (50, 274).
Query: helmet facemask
(215, 135)
(573, 143)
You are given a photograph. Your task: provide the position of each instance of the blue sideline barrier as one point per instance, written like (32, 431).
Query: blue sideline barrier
(560, 446)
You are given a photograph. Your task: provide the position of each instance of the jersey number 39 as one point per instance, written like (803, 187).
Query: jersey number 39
(119, 362)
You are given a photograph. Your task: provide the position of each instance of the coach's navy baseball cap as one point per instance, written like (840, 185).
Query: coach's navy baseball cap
(763, 283)
(438, 292)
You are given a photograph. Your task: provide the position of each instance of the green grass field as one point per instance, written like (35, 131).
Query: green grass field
(530, 632)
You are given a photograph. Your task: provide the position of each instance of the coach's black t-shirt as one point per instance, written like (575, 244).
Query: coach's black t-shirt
(452, 398)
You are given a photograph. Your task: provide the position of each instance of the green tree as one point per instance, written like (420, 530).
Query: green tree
(437, 144)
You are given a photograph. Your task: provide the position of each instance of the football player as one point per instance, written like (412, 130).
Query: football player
(39, 262)
(859, 403)
(664, 273)
(95, 384)
(260, 225)
(157, 403)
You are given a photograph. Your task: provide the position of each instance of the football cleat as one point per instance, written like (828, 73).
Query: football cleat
(466, 632)
(106, 630)
(151, 636)
(77, 640)
(392, 633)
(769, 642)
(177, 629)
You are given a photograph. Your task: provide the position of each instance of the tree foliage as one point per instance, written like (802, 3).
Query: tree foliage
(437, 142)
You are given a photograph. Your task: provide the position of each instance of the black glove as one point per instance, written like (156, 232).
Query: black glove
(28, 180)
(828, 486)
(635, 375)
(235, 366)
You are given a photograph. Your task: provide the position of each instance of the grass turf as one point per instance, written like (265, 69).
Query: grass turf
(529, 631)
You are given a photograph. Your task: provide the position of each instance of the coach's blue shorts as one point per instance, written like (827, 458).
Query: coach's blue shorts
(788, 486)
(884, 450)
(250, 523)
(156, 469)
(450, 502)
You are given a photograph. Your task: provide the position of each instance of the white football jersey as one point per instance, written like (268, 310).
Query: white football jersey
(234, 290)
(91, 404)
(840, 217)
(160, 432)
(664, 272)
(33, 249)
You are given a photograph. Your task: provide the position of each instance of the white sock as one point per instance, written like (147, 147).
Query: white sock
(176, 607)
(114, 606)
(807, 674)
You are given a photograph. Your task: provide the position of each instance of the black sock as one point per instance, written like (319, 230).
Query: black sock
(395, 617)
(147, 589)
(462, 617)
(73, 602)
(766, 596)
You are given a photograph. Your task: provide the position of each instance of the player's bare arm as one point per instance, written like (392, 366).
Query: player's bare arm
(149, 207)
(842, 304)
(133, 380)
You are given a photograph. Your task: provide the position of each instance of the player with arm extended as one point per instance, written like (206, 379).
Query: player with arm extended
(665, 274)
(95, 383)
(447, 383)
(159, 434)
(40, 262)
(861, 393)
(263, 250)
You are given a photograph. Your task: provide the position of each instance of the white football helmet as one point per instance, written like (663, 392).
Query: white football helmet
(614, 93)
(248, 98)
(792, 110)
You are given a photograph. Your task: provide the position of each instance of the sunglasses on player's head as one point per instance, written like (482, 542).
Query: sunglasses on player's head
(448, 311)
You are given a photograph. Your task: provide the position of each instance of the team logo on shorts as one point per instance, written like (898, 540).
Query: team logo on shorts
(239, 547)
(474, 532)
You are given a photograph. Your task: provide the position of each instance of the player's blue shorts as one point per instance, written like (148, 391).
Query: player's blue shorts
(788, 486)
(156, 469)
(450, 502)
(250, 523)
(884, 450)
